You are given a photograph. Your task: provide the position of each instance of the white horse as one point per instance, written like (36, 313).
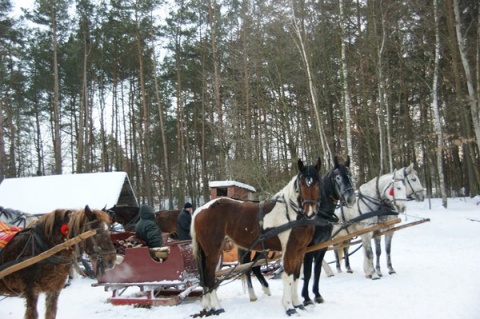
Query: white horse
(386, 193)
(415, 191)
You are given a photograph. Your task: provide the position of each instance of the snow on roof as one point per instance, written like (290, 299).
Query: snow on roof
(42, 194)
(216, 184)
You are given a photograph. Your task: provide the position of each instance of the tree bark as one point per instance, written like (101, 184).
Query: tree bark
(435, 110)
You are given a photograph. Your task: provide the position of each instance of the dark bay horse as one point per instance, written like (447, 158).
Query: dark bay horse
(336, 186)
(128, 216)
(49, 276)
(244, 222)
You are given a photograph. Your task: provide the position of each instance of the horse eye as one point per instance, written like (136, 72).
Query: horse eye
(414, 179)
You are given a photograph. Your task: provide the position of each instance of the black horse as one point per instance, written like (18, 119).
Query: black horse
(336, 186)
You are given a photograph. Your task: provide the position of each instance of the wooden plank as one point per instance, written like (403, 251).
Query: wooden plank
(391, 230)
(381, 233)
(355, 234)
(52, 251)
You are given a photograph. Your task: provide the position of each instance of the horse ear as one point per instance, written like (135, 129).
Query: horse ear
(89, 213)
(410, 168)
(347, 163)
(300, 165)
(335, 161)
(319, 164)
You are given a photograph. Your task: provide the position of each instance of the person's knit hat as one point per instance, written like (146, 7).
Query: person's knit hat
(187, 205)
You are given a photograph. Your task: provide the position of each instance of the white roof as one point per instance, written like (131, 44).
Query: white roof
(216, 184)
(43, 194)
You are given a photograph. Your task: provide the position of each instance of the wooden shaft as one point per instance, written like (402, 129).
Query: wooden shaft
(391, 230)
(52, 251)
(381, 233)
(340, 239)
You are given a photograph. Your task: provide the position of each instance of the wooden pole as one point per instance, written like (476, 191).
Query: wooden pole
(349, 236)
(52, 251)
(391, 230)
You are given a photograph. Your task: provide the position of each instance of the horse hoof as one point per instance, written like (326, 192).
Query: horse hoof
(392, 272)
(331, 275)
(291, 312)
(216, 312)
(319, 299)
(308, 303)
(301, 307)
(350, 271)
(253, 299)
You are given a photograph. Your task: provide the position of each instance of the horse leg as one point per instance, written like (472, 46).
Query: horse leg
(307, 273)
(368, 257)
(207, 268)
(258, 273)
(378, 251)
(388, 247)
(327, 268)
(51, 301)
(317, 272)
(338, 259)
(31, 304)
(346, 256)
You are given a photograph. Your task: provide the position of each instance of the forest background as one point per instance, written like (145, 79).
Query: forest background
(182, 92)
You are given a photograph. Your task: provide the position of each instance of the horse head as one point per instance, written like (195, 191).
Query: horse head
(415, 189)
(308, 187)
(99, 247)
(395, 192)
(341, 178)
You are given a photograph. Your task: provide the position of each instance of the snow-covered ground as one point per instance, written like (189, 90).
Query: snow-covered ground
(438, 276)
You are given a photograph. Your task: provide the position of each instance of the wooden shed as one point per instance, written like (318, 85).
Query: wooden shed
(231, 189)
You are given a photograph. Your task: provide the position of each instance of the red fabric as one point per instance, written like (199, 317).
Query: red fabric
(6, 233)
(392, 192)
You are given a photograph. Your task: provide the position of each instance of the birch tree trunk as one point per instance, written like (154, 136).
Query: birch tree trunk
(435, 110)
(346, 93)
(474, 108)
(327, 154)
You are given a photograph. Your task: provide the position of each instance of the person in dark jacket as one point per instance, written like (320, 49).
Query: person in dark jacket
(147, 229)
(184, 221)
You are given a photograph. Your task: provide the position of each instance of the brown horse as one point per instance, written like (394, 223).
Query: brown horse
(167, 221)
(128, 217)
(244, 222)
(49, 275)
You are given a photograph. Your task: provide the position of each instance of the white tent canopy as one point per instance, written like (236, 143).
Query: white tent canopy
(43, 194)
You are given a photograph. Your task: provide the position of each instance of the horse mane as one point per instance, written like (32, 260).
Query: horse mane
(80, 218)
(47, 221)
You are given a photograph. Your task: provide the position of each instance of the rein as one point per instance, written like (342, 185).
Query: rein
(98, 253)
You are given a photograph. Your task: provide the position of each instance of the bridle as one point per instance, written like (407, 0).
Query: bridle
(98, 252)
(298, 206)
(337, 185)
(383, 199)
(407, 182)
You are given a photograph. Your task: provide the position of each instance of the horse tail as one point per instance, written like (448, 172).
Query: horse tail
(197, 251)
